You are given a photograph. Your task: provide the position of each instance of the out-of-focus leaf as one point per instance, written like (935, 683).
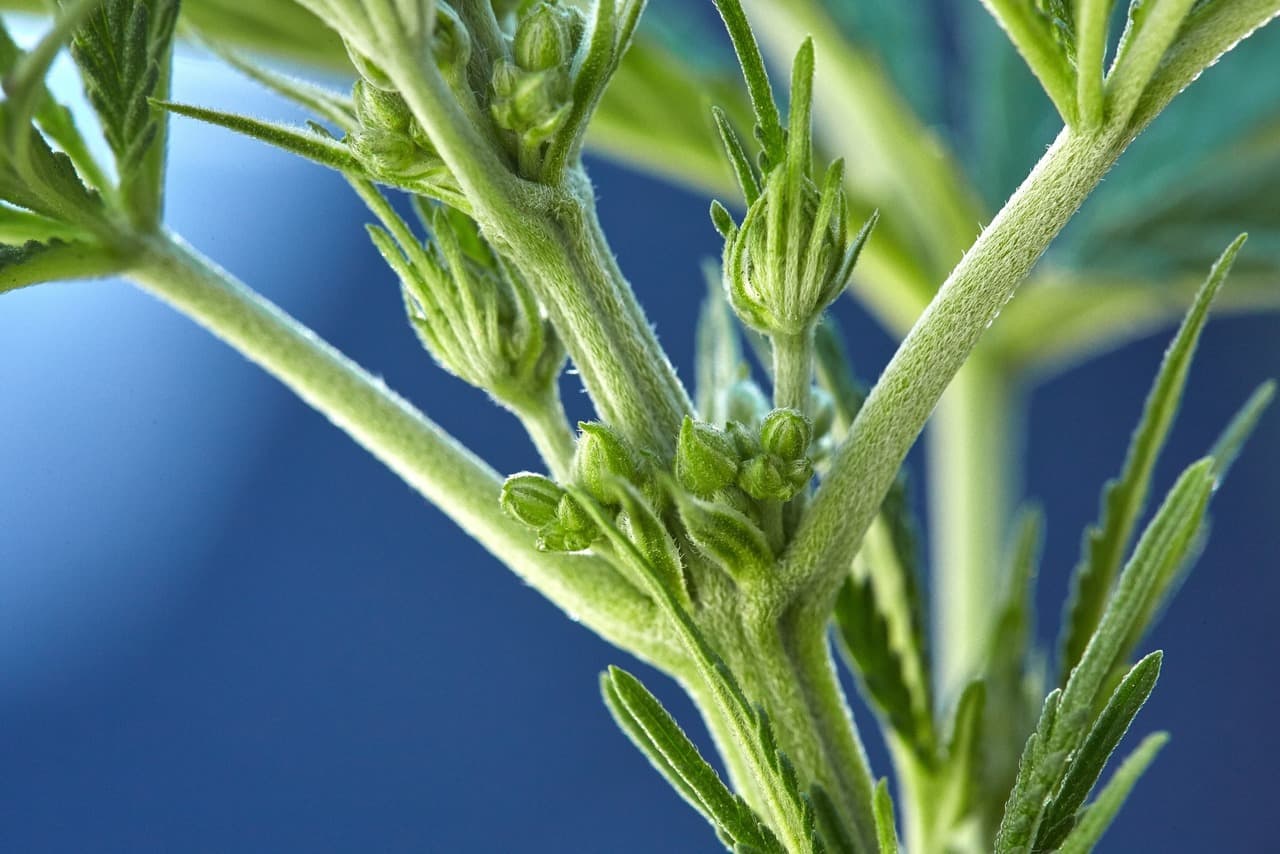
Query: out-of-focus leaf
(1125, 497)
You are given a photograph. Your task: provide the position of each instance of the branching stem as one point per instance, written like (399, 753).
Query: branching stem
(403, 439)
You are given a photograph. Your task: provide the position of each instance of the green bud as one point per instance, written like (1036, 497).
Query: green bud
(745, 402)
(574, 526)
(391, 155)
(786, 433)
(768, 478)
(726, 536)
(547, 36)
(379, 109)
(706, 459)
(531, 499)
(600, 457)
(763, 480)
(745, 441)
(451, 42)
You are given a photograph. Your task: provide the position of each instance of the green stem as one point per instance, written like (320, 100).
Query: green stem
(788, 669)
(793, 370)
(401, 438)
(553, 237)
(545, 422)
(928, 359)
(971, 448)
(852, 783)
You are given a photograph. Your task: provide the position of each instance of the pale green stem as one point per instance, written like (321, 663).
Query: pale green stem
(867, 462)
(971, 453)
(851, 782)
(1091, 47)
(793, 370)
(403, 439)
(545, 422)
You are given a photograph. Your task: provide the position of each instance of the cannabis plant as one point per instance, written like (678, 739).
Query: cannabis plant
(731, 536)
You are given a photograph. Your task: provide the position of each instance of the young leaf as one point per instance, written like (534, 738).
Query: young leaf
(1038, 772)
(123, 51)
(1041, 30)
(1124, 498)
(743, 169)
(835, 836)
(730, 539)
(1091, 758)
(1097, 818)
(653, 730)
(719, 359)
(768, 119)
(314, 146)
(1240, 428)
(886, 834)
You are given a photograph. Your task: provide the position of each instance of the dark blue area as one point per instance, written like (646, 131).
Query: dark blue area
(229, 629)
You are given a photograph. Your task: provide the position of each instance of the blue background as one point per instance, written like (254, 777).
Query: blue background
(223, 627)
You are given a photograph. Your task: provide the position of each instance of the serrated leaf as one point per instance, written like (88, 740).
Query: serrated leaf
(1091, 758)
(1125, 497)
(643, 718)
(1099, 815)
(864, 632)
(29, 97)
(886, 833)
(33, 263)
(124, 49)
(768, 118)
(1164, 545)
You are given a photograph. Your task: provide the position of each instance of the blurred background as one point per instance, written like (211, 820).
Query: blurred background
(223, 627)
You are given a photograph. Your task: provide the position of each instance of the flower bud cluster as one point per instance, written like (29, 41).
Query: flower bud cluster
(602, 463)
(724, 484)
(792, 254)
(389, 141)
(769, 464)
(533, 91)
(474, 313)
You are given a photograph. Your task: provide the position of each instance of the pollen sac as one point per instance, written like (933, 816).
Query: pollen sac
(547, 36)
(706, 458)
(785, 433)
(602, 457)
(770, 478)
(475, 314)
(531, 499)
(572, 531)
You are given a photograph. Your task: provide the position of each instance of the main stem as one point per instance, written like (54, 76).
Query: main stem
(403, 439)
(971, 449)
